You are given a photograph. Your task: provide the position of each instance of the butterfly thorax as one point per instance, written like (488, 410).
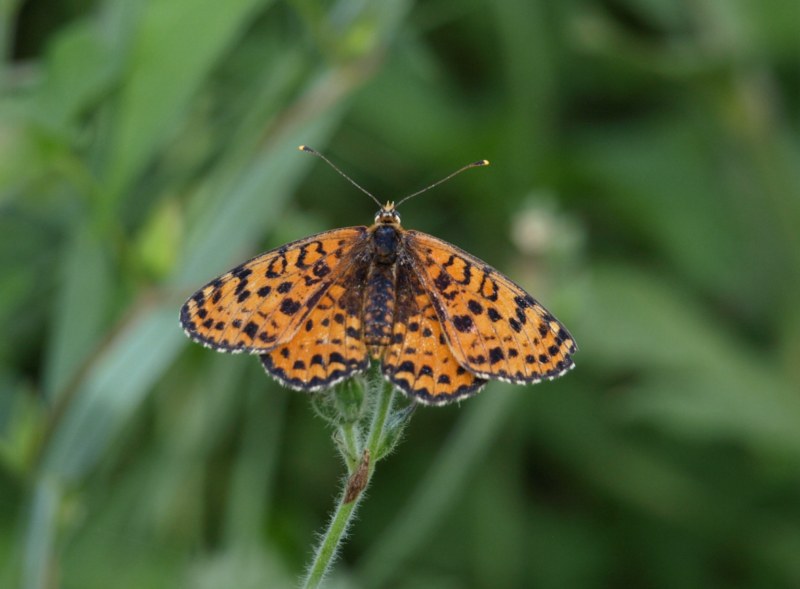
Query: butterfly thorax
(385, 234)
(385, 242)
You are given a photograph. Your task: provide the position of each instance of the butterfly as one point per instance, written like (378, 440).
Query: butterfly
(440, 321)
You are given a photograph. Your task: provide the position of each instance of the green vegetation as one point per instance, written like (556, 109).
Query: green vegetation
(645, 186)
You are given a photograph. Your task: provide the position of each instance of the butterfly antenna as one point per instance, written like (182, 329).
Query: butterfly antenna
(308, 149)
(478, 164)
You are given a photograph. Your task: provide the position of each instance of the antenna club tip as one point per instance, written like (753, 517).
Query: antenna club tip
(305, 148)
(481, 163)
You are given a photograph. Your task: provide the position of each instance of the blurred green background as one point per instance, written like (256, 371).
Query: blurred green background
(645, 186)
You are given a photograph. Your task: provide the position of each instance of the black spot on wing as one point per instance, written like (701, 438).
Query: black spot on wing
(442, 281)
(250, 329)
(496, 355)
(493, 314)
(289, 306)
(463, 323)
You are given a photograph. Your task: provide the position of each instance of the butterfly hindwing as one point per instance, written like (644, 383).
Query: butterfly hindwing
(262, 303)
(329, 345)
(494, 328)
(419, 360)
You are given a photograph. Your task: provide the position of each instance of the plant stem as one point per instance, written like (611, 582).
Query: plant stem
(376, 429)
(329, 544)
(342, 517)
(349, 433)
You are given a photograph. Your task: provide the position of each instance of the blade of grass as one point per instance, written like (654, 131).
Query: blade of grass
(81, 313)
(177, 45)
(255, 465)
(39, 536)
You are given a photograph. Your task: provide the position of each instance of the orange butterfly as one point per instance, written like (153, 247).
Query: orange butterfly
(440, 320)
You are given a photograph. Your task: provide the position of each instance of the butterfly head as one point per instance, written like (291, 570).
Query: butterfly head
(387, 215)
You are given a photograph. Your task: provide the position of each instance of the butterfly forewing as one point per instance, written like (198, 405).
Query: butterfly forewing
(262, 303)
(494, 328)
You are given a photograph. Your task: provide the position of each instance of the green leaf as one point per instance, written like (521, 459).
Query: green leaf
(396, 424)
(177, 44)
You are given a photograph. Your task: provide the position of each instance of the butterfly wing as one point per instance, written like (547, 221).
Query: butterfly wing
(494, 328)
(329, 346)
(262, 303)
(419, 361)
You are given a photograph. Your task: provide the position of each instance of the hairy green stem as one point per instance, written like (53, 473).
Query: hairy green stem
(381, 411)
(349, 432)
(329, 544)
(359, 475)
